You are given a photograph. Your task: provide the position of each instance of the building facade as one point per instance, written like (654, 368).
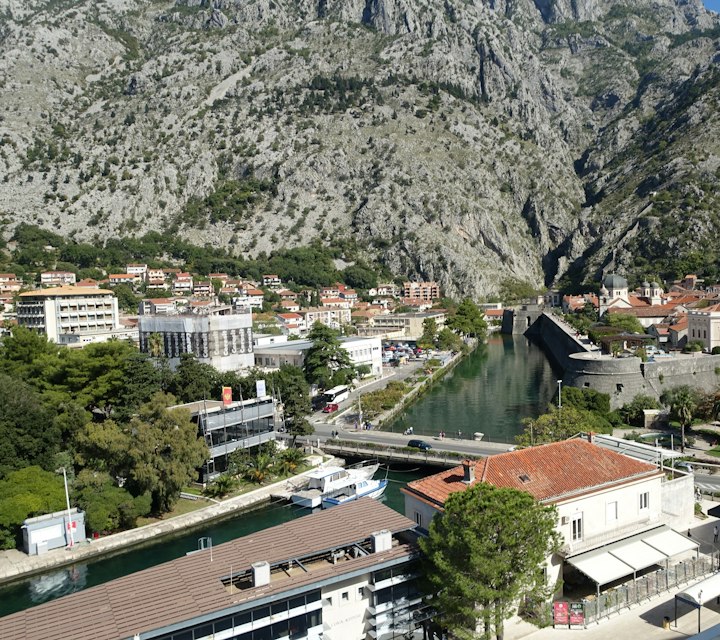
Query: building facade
(68, 314)
(57, 278)
(348, 573)
(362, 351)
(602, 497)
(424, 291)
(704, 326)
(217, 337)
(408, 325)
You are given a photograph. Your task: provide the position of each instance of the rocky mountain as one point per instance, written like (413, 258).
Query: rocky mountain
(467, 141)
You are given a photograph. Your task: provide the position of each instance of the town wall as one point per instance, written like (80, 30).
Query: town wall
(678, 501)
(624, 378)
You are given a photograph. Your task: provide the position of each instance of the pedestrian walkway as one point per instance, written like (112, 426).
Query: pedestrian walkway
(15, 564)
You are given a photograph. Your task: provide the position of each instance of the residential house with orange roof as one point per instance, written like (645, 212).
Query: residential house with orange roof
(182, 284)
(271, 280)
(335, 303)
(678, 332)
(602, 497)
(292, 324)
(129, 279)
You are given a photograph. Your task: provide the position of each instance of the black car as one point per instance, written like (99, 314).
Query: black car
(419, 444)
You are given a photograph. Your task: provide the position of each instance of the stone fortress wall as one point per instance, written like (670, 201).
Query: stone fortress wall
(621, 378)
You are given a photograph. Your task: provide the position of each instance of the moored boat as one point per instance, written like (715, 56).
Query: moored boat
(329, 480)
(361, 489)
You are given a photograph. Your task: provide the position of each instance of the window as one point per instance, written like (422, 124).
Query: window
(361, 592)
(346, 595)
(577, 528)
(645, 500)
(611, 511)
(418, 518)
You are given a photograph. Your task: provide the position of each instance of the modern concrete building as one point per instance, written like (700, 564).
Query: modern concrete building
(239, 425)
(215, 335)
(602, 497)
(363, 351)
(346, 573)
(410, 324)
(70, 315)
(57, 278)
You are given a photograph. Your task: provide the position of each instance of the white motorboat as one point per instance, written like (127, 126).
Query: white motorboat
(327, 481)
(361, 489)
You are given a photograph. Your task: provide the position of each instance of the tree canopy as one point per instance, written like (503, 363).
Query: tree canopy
(484, 553)
(560, 424)
(468, 320)
(327, 364)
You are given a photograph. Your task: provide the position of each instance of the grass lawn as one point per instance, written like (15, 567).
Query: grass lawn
(714, 452)
(182, 506)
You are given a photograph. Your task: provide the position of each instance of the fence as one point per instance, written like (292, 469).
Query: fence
(648, 586)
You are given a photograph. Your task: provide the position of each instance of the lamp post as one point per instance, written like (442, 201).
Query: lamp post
(67, 501)
(559, 383)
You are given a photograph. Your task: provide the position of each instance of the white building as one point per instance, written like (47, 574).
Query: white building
(362, 351)
(71, 315)
(330, 317)
(601, 497)
(215, 336)
(346, 573)
(57, 278)
(704, 325)
(139, 270)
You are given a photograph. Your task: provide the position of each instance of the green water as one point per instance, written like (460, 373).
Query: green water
(490, 392)
(33, 591)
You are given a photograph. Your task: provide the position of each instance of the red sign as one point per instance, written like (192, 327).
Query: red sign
(227, 395)
(560, 613)
(577, 615)
(74, 525)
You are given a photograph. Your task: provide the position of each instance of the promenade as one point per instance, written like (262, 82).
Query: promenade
(15, 564)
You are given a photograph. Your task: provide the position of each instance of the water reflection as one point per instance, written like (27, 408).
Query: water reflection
(58, 583)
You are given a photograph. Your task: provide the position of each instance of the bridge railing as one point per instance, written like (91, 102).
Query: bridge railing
(399, 454)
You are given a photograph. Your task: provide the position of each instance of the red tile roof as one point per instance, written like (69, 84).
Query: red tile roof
(554, 471)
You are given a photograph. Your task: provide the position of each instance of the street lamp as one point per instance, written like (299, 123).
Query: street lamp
(67, 501)
(559, 383)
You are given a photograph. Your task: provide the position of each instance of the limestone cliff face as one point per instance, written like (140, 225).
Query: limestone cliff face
(460, 141)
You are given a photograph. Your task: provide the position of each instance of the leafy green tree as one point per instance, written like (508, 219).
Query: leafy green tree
(683, 402)
(25, 493)
(127, 300)
(28, 433)
(360, 277)
(632, 412)
(513, 290)
(484, 553)
(327, 364)
(109, 507)
(623, 322)
(22, 350)
(142, 380)
(427, 340)
(468, 320)
(289, 460)
(193, 380)
(221, 486)
(586, 399)
(165, 451)
(558, 424)
(448, 340)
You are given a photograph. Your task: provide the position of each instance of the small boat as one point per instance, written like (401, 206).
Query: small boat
(361, 489)
(327, 481)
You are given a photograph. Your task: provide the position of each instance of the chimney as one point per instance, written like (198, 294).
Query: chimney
(468, 471)
(382, 541)
(261, 574)
(591, 437)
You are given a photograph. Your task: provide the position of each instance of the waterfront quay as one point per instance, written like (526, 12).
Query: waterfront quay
(15, 564)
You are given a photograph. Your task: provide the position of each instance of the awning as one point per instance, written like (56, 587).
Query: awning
(702, 592)
(625, 557)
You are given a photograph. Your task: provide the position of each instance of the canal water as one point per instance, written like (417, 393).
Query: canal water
(490, 392)
(39, 589)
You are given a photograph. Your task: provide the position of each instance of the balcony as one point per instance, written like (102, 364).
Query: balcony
(605, 537)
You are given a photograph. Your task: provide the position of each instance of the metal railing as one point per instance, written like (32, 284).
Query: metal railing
(648, 586)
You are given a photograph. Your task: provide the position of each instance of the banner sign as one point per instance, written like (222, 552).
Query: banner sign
(577, 614)
(227, 396)
(560, 613)
(260, 389)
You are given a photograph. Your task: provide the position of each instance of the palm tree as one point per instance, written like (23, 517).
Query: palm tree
(683, 404)
(259, 468)
(290, 459)
(155, 345)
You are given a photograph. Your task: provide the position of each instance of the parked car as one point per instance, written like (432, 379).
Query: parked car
(330, 407)
(419, 444)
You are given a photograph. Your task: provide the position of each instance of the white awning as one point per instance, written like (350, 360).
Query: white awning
(639, 555)
(702, 592)
(623, 558)
(669, 542)
(601, 567)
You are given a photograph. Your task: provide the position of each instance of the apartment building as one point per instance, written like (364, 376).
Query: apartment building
(57, 278)
(424, 291)
(329, 316)
(9, 283)
(65, 314)
(704, 326)
(408, 325)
